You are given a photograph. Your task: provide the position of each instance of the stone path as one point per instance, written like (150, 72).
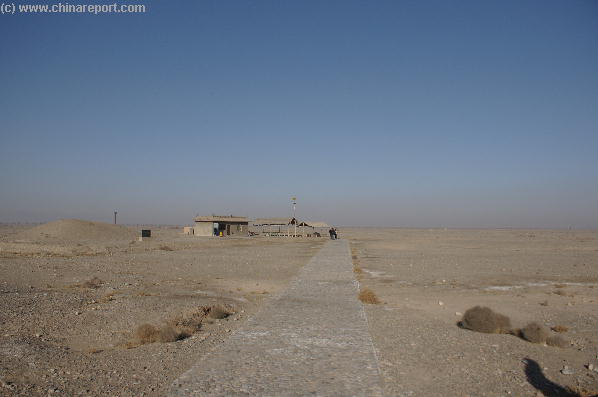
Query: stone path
(311, 340)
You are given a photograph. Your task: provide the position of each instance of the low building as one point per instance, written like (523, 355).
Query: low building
(309, 228)
(220, 225)
(274, 226)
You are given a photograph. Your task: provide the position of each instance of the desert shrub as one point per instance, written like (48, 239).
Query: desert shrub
(180, 327)
(93, 283)
(166, 248)
(169, 334)
(535, 333)
(108, 297)
(188, 323)
(561, 292)
(368, 296)
(483, 319)
(218, 312)
(557, 341)
(560, 328)
(146, 333)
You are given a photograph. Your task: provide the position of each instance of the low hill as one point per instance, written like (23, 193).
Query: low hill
(76, 230)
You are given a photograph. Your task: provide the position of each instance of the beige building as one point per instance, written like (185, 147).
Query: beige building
(309, 228)
(274, 226)
(220, 225)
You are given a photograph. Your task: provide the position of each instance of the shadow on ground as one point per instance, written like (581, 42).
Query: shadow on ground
(536, 378)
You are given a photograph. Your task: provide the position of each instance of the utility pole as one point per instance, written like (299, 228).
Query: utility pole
(294, 215)
(115, 217)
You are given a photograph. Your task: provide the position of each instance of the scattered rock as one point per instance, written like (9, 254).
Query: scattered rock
(567, 370)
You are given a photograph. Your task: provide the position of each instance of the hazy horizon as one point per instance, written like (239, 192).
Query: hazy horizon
(392, 114)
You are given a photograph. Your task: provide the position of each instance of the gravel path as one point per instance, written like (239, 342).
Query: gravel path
(312, 339)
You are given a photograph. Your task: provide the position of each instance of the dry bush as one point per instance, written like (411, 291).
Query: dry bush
(561, 292)
(219, 312)
(368, 296)
(534, 332)
(146, 333)
(483, 319)
(557, 341)
(94, 283)
(169, 334)
(166, 248)
(188, 323)
(180, 327)
(560, 328)
(108, 297)
(560, 285)
(94, 350)
(357, 269)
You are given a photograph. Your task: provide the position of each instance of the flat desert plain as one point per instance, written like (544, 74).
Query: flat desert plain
(427, 279)
(85, 309)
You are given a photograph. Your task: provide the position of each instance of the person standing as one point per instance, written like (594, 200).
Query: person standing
(331, 232)
(334, 233)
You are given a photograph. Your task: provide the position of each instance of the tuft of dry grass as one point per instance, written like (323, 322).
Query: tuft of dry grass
(108, 297)
(180, 327)
(561, 292)
(166, 248)
(560, 328)
(94, 283)
(147, 333)
(535, 333)
(94, 350)
(484, 319)
(357, 269)
(368, 296)
(557, 341)
(218, 312)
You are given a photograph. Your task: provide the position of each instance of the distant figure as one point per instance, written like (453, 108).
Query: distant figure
(334, 233)
(331, 232)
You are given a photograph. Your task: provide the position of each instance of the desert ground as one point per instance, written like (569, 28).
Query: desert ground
(85, 309)
(427, 279)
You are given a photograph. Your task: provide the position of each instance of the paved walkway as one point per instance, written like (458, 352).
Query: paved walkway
(311, 340)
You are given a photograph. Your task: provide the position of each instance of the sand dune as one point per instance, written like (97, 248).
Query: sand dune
(76, 230)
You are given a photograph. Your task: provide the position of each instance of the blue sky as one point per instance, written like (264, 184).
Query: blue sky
(385, 113)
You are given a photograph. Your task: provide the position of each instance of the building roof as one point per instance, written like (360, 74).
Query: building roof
(275, 221)
(221, 218)
(314, 224)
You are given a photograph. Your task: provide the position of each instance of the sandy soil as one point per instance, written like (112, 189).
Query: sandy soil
(426, 279)
(60, 336)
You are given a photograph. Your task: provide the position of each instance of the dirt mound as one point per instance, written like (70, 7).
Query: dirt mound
(75, 230)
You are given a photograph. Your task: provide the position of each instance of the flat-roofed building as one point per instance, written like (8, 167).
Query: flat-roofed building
(274, 226)
(221, 225)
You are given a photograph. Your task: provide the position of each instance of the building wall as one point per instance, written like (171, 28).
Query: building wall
(203, 229)
(207, 228)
